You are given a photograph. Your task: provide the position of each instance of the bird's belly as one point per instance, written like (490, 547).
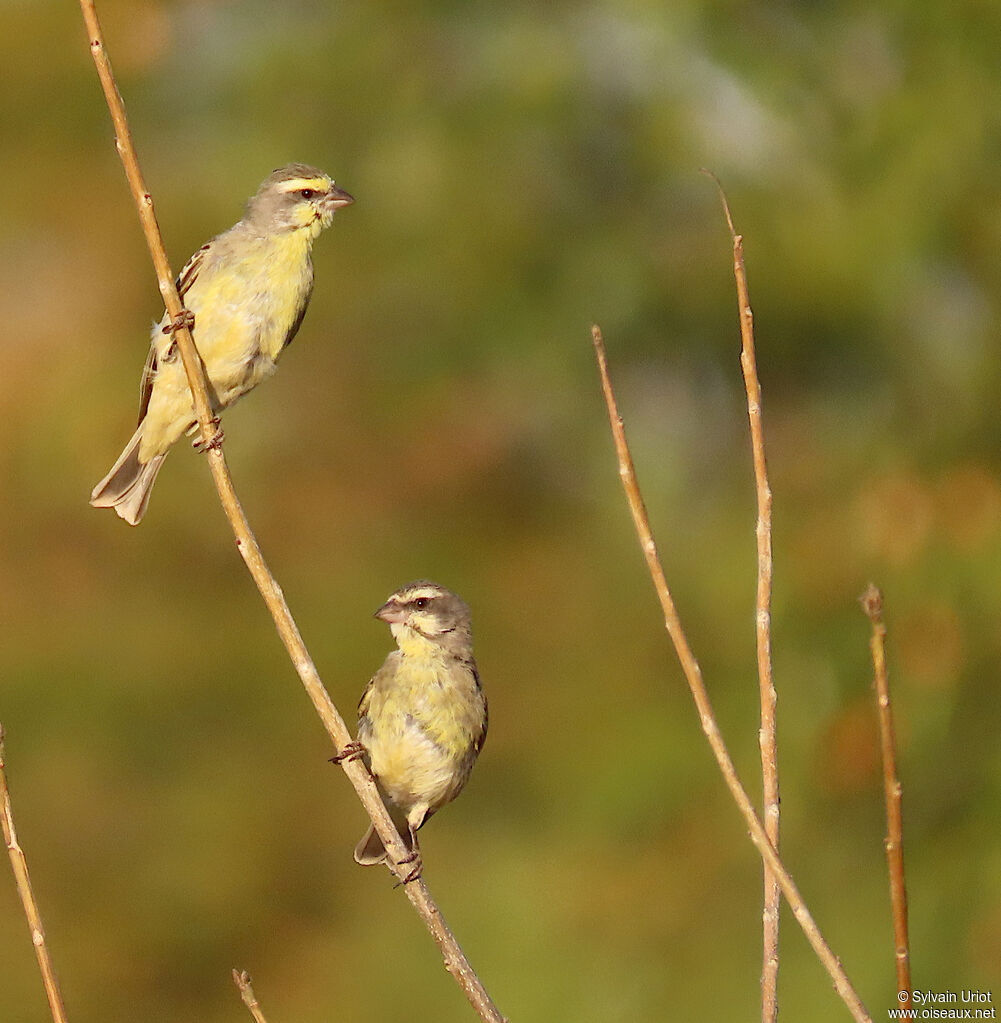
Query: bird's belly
(234, 364)
(412, 768)
(232, 342)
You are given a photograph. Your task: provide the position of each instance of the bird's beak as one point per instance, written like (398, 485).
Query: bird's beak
(391, 613)
(337, 197)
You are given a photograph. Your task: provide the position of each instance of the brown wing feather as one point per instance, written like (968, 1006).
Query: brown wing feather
(363, 702)
(187, 277)
(146, 382)
(189, 273)
(482, 737)
(290, 337)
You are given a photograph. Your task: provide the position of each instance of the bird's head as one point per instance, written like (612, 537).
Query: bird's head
(428, 611)
(296, 197)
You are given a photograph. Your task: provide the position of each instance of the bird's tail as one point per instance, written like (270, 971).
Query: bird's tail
(126, 487)
(371, 850)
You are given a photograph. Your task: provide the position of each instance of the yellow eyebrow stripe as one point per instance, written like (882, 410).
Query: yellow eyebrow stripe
(317, 184)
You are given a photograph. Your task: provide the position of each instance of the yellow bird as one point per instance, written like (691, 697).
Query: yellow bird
(248, 289)
(422, 721)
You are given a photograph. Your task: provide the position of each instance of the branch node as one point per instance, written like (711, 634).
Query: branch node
(872, 603)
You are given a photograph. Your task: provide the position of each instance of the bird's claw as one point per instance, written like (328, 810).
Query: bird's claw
(215, 441)
(415, 872)
(185, 318)
(352, 751)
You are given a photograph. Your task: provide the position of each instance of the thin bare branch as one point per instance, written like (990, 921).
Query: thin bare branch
(872, 604)
(417, 891)
(19, 865)
(767, 740)
(693, 675)
(242, 980)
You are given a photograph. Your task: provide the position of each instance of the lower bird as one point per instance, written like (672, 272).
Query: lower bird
(422, 720)
(248, 289)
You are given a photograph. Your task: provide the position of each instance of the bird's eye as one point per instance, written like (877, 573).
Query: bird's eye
(420, 603)
(307, 193)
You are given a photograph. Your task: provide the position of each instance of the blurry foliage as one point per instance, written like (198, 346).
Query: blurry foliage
(520, 170)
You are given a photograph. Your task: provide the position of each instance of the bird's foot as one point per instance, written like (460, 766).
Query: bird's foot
(215, 441)
(185, 318)
(352, 751)
(415, 871)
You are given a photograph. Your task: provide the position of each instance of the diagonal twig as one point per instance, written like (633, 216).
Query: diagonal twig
(767, 740)
(872, 604)
(22, 881)
(417, 892)
(693, 675)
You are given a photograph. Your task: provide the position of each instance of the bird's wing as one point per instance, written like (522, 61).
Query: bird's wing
(183, 282)
(380, 680)
(146, 383)
(189, 273)
(294, 329)
(365, 697)
(481, 738)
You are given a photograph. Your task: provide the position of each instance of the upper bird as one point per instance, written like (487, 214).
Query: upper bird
(248, 289)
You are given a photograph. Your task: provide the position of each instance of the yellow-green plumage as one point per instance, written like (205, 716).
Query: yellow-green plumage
(248, 289)
(423, 718)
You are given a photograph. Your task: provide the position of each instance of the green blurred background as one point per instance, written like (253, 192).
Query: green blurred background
(521, 170)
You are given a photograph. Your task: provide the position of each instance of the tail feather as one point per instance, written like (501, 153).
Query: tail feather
(371, 850)
(127, 486)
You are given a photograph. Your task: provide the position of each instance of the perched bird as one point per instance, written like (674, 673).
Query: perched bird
(422, 720)
(248, 289)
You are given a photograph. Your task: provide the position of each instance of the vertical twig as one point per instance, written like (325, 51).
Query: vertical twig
(242, 980)
(417, 892)
(693, 675)
(872, 604)
(23, 882)
(767, 741)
